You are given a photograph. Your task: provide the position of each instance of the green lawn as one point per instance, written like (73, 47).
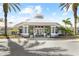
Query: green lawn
(60, 37)
(11, 36)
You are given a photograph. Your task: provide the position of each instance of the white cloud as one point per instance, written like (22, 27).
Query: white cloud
(16, 20)
(38, 9)
(1, 9)
(27, 11)
(31, 10)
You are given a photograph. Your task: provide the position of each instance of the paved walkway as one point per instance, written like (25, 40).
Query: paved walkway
(40, 47)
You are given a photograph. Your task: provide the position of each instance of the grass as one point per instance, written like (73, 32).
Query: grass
(60, 37)
(11, 36)
(68, 37)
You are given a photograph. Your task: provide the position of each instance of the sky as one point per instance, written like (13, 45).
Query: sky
(51, 12)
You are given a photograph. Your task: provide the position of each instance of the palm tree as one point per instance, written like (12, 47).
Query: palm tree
(67, 22)
(6, 8)
(74, 9)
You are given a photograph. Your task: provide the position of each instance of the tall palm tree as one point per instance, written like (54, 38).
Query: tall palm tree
(74, 9)
(6, 8)
(67, 22)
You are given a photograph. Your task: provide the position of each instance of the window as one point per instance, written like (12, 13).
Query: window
(41, 26)
(20, 30)
(52, 29)
(78, 30)
(35, 26)
(57, 30)
(20, 27)
(25, 29)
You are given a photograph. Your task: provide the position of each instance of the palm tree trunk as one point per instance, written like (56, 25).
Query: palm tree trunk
(5, 24)
(75, 24)
(75, 21)
(65, 28)
(75, 5)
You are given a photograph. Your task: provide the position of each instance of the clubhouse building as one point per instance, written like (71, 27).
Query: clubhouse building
(38, 26)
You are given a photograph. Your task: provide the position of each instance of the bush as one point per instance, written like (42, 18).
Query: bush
(66, 31)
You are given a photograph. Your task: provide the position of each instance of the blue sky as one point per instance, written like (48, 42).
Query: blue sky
(51, 12)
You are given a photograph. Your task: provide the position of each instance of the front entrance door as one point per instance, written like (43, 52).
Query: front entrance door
(20, 30)
(39, 32)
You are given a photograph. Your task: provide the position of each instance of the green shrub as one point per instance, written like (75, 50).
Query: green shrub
(66, 31)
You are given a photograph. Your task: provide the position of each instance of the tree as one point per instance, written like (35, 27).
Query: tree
(66, 31)
(67, 22)
(6, 8)
(74, 9)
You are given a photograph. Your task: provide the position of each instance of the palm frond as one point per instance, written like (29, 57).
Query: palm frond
(63, 20)
(11, 6)
(65, 5)
(14, 6)
(61, 4)
(9, 9)
(17, 6)
(68, 19)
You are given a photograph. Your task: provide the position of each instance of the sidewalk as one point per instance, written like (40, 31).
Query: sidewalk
(41, 47)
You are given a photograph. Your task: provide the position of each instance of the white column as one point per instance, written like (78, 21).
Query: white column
(27, 33)
(23, 29)
(51, 29)
(34, 30)
(44, 31)
(27, 29)
(54, 29)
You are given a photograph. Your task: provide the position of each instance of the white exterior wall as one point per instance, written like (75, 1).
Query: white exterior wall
(25, 34)
(53, 29)
(23, 30)
(53, 34)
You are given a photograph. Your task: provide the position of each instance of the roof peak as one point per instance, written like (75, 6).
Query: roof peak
(39, 16)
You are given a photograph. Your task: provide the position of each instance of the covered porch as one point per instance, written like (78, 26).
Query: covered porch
(39, 31)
